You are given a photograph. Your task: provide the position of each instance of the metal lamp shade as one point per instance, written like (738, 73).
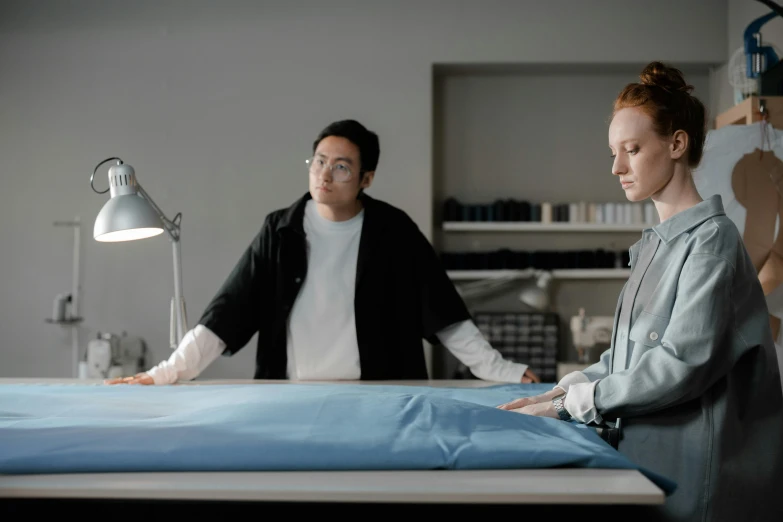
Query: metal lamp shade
(125, 218)
(537, 296)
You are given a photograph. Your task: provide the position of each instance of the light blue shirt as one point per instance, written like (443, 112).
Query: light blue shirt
(692, 378)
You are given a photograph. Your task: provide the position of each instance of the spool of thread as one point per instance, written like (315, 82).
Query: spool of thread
(573, 213)
(638, 214)
(628, 213)
(609, 214)
(546, 212)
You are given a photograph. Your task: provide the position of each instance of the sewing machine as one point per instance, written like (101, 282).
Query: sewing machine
(592, 335)
(109, 356)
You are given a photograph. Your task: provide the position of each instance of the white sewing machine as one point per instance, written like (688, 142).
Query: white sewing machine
(592, 335)
(109, 356)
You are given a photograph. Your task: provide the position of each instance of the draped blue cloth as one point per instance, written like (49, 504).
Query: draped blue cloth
(72, 428)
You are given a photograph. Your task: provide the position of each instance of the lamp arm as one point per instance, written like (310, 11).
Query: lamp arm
(172, 226)
(178, 324)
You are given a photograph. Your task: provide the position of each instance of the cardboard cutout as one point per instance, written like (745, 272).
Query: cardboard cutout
(755, 182)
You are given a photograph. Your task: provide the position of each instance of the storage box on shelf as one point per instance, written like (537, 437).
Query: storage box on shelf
(529, 338)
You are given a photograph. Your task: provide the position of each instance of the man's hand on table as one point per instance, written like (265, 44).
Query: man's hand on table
(139, 378)
(529, 377)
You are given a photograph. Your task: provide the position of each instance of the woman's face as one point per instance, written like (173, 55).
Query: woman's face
(643, 161)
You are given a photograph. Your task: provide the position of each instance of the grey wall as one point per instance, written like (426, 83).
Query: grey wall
(216, 105)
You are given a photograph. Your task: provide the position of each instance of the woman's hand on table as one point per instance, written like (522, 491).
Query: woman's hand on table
(523, 402)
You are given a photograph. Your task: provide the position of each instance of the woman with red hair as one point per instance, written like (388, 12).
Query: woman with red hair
(690, 385)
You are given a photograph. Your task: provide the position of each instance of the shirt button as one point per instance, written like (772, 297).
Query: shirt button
(654, 336)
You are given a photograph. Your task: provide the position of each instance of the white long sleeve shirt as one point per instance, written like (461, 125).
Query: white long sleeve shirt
(580, 397)
(321, 340)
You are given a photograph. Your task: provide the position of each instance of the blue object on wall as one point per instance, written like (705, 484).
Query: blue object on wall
(759, 58)
(53, 428)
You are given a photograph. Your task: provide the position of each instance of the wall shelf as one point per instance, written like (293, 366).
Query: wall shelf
(580, 273)
(66, 322)
(526, 226)
(749, 111)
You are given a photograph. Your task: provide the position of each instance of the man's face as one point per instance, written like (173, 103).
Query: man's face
(334, 172)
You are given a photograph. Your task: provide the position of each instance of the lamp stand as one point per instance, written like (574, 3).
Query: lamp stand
(178, 321)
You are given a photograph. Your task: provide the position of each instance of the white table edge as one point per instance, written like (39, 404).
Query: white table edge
(539, 486)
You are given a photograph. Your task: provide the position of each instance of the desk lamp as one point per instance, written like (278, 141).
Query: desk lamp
(131, 214)
(537, 296)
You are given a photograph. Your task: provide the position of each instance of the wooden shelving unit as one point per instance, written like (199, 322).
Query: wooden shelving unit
(582, 273)
(749, 111)
(526, 226)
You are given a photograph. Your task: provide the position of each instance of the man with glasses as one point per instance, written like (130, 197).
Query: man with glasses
(339, 286)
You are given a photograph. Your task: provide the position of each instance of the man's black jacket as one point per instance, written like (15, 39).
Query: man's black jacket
(403, 294)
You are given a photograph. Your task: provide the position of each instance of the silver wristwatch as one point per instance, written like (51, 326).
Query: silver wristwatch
(560, 408)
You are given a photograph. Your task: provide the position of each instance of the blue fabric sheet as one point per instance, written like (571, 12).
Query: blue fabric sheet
(48, 428)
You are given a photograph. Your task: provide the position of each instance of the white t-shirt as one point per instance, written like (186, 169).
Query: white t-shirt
(322, 326)
(321, 340)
